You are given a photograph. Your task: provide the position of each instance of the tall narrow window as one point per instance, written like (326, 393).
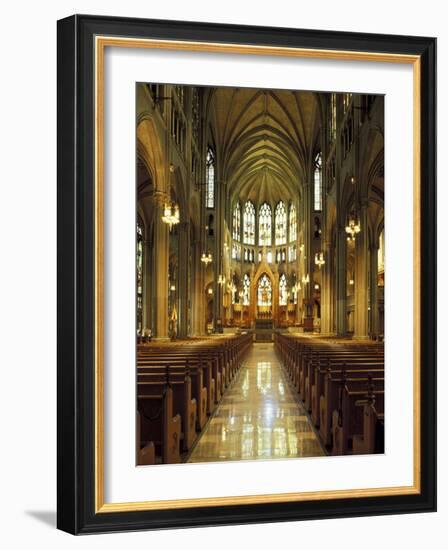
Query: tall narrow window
(332, 117)
(265, 225)
(236, 225)
(280, 223)
(283, 293)
(318, 182)
(346, 98)
(210, 178)
(249, 223)
(139, 275)
(264, 291)
(292, 223)
(246, 290)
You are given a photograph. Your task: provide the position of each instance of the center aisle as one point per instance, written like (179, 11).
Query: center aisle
(258, 417)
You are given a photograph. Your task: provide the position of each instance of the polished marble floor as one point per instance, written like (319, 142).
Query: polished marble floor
(258, 417)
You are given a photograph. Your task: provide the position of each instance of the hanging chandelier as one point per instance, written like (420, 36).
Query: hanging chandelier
(319, 259)
(352, 228)
(206, 258)
(171, 214)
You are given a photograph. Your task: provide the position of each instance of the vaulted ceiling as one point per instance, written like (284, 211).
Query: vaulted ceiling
(265, 139)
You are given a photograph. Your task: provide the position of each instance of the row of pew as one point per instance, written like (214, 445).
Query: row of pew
(341, 386)
(179, 384)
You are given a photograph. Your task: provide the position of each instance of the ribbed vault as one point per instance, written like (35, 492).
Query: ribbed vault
(265, 140)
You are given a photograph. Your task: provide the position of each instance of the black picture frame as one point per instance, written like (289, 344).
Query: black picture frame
(76, 256)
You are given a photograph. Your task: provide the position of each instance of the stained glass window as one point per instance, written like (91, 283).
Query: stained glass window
(333, 117)
(210, 178)
(139, 274)
(264, 225)
(249, 223)
(318, 182)
(236, 226)
(283, 293)
(292, 253)
(246, 290)
(346, 98)
(264, 291)
(280, 223)
(292, 223)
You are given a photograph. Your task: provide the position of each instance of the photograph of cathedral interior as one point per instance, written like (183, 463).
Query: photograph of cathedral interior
(259, 274)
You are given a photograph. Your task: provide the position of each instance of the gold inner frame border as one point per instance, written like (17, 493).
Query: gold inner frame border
(101, 42)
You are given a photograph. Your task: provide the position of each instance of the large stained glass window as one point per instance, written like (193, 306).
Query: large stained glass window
(318, 182)
(236, 225)
(265, 225)
(246, 290)
(280, 223)
(210, 178)
(283, 292)
(139, 275)
(249, 223)
(292, 223)
(264, 291)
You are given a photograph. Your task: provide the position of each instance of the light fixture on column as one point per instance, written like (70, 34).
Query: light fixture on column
(170, 214)
(306, 279)
(319, 259)
(206, 258)
(352, 228)
(221, 280)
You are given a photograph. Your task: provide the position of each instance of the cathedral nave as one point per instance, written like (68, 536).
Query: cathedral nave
(259, 273)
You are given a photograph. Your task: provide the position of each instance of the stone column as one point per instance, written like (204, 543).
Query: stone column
(307, 287)
(325, 294)
(374, 290)
(183, 277)
(361, 292)
(147, 283)
(160, 264)
(341, 282)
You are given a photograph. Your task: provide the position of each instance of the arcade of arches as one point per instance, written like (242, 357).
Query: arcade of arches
(266, 183)
(260, 239)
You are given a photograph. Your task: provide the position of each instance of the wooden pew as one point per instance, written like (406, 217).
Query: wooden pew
(144, 455)
(160, 425)
(183, 404)
(348, 418)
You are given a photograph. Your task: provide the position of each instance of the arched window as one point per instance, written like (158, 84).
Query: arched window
(283, 293)
(246, 290)
(236, 225)
(280, 223)
(292, 223)
(265, 225)
(318, 182)
(210, 178)
(139, 274)
(249, 223)
(264, 291)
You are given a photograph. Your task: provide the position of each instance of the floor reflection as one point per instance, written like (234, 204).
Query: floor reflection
(258, 417)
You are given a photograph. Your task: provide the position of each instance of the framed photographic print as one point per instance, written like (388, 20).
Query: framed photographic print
(230, 349)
